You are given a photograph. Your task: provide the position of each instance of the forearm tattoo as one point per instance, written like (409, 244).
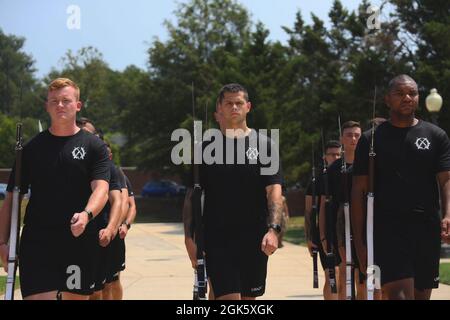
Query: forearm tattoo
(187, 215)
(275, 211)
(308, 224)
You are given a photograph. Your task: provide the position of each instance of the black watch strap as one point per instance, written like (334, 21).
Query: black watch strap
(275, 227)
(89, 213)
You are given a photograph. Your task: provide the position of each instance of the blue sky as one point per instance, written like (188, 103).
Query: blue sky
(122, 30)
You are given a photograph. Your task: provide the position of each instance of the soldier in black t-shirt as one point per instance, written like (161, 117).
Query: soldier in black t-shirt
(112, 230)
(131, 211)
(332, 153)
(243, 204)
(412, 161)
(113, 250)
(114, 289)
(67, 171)
(351, 133)
(107, 221)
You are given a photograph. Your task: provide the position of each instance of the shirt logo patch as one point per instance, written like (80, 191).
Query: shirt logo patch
(423, 144)
(252, 153)
(78, 153)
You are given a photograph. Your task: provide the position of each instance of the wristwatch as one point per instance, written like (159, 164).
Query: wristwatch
(128, 225)
(89, 213)
(275, 227)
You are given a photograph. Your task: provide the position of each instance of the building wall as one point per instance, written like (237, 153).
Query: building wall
(4, 175)
(137, 178)
(295, 198)
(296, 202)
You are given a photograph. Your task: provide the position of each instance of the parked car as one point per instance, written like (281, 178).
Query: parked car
(3, 190)
(163, 188)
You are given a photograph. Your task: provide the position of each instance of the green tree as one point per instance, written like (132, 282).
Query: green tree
(311, 76)
(7, 141)
(8, 137)
(425, 27)
(332, 72)
(18, 87)
(208, 34)
(96, 82)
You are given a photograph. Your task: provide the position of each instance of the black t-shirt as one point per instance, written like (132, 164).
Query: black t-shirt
(59, 171)
(122, 178)
(335, 183)
(319, 183)
(319, 189)
(336, 191)
(129, 186)
(235, 205)
(406, 163)
(114, 184)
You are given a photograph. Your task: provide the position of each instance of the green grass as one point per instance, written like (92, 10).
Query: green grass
(295, 232)
(444, 272)
(3, 284)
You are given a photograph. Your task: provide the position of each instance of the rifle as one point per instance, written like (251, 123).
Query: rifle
(349, 281)
(200, 278)
(14, 233)
(313, 226)
(370, 202)
(329, 235)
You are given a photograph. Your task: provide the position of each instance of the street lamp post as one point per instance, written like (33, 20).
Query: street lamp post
(434, 105)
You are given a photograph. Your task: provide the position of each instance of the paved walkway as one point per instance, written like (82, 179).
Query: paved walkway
(158, 268)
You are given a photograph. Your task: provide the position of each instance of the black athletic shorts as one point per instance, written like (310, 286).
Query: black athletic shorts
(408, 247)
(52, 259)
(237, 269)
(102, 268)
(116, 259)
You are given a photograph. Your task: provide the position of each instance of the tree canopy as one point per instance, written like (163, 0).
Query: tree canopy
(300, 87)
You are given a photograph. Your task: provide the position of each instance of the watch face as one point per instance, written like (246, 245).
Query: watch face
(275, 227)
(90, 215)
